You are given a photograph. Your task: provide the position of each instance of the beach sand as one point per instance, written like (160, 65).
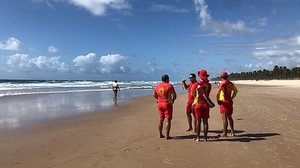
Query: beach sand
(266, 119)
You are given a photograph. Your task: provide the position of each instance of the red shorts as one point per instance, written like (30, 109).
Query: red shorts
(189, 107)
(165, 110)
(226, 107)
(201, 110)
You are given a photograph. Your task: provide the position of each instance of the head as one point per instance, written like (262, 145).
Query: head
(165, 78)
(192, 77)
(224, 75)
(116, 81)
(203, 74)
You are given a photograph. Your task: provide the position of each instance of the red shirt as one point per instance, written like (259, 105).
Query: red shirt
(206, 86)
(226, 87)
(164, 92)
(191, 89)
(199, 99)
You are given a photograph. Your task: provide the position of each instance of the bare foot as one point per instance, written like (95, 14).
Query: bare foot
(161, 136)
(222, 135)
(168, 137)
(197, 139)
(189, 129)
(232, 134)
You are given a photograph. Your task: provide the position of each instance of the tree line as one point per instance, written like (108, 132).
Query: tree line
(278, 72)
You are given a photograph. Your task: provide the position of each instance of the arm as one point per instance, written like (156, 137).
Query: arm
(208, 101)
(235, 91)
(174, 95)
(155, 94)
(218, 93)
(184, 85)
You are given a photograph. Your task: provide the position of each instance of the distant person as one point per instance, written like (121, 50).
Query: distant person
(225, 100)
(115, 88)
(191, 87)
(165, 94)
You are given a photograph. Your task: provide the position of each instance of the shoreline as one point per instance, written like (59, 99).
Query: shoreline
(127, 136)
(283, 83)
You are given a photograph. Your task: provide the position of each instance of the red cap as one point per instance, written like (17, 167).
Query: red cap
(203, 73)
(224, 74)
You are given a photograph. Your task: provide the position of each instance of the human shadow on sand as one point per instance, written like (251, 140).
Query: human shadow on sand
(221, 131)
(237, 138)
(247, 137)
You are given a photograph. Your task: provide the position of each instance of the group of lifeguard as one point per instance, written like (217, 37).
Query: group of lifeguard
(198, 103)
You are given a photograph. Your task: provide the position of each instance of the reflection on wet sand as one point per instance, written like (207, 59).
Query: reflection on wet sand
(19, 111)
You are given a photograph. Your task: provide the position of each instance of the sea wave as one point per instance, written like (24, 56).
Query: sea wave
(30, 87)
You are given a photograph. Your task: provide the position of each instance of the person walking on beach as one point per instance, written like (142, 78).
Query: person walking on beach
(165, 94)
(225, 100)
(191, 87)
(115, 88)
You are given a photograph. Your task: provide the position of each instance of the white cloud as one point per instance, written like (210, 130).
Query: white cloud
(219, 28)
(86, 63)
(11, 44)
(99, 7)
(49, 64)
(167, 8)
(281, 51)
(114, 63)
(22, 62)
(52, 49)
(19, 62)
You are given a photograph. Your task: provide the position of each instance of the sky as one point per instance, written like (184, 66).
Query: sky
(141, 40)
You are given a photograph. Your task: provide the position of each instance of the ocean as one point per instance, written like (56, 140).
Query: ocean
(28, 102)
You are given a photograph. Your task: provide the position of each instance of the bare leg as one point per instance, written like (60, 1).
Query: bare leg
(160, 127)
(205, 128)
(198, 129)
(195, 125)
(189, 117)
(168, 128)
(115, 95)
(231, 124)
(225, 124)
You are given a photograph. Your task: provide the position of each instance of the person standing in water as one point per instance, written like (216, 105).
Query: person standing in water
(115, 88)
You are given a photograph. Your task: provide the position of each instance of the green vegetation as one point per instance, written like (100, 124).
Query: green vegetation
(278, 72)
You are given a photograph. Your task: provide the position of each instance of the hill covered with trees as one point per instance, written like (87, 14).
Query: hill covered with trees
(278, 72)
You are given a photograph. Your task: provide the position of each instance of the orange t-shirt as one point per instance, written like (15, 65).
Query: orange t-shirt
(164, 92)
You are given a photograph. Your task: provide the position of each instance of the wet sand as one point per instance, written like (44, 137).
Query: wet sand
(266, 119)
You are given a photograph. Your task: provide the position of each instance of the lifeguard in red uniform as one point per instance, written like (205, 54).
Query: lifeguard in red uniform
(191, 87)
(165, 94)
(225, 100)
(202, 103)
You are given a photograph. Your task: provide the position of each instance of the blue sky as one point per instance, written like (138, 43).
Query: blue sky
(141, 40)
